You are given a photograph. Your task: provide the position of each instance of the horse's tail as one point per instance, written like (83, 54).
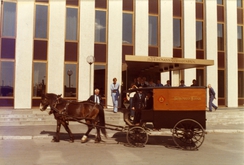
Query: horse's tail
(102, 122)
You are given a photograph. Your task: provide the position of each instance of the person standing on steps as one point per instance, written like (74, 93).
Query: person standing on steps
(114, 87)
(211, 98)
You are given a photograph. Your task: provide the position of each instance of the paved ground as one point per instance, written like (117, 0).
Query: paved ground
(224, 120)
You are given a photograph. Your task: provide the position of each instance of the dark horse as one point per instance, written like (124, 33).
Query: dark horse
(65, 110)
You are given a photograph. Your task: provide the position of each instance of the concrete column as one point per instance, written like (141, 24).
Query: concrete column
(55, 77)
(231, 54)
(86, 48)
(211, 45)
(114, 57)
(189, 26)
(166, 33)
(23, 54)
(141, 27)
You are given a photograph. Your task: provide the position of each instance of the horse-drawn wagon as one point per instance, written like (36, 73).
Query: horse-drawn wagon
(181, 109)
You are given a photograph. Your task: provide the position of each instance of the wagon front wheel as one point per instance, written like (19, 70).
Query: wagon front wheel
(137, 136)
(188, 134)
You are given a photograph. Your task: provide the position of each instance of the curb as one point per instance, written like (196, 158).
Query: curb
(154, 133)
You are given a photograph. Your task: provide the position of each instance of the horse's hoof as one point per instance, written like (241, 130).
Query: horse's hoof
(84, 139)
(71, 141)
(55, 140)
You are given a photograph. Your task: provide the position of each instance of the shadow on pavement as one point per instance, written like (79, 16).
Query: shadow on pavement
(164, 141)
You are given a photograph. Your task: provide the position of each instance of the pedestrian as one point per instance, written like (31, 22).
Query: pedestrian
(182, 83)
(211, 98)
(194, 83)
(151, 83)
(138, 104)
(167, 84)
(114, 87)
(97, 98)
(159, 84)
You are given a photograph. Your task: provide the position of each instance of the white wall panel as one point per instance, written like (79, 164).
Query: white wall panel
(211, 45)
(86, 48)
(166, 33)
(189, 27)
(141, 27)
(23, 55)
(231, 54)
(114, 58)
(55, 77)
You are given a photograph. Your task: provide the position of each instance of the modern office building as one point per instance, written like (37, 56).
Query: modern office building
(46, 46)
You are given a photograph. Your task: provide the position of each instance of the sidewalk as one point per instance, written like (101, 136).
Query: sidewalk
(224, 120)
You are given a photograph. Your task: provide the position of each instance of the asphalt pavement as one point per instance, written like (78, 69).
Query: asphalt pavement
(223, 120)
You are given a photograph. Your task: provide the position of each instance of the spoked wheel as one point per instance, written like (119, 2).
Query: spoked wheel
(188, 134)
(137, 136)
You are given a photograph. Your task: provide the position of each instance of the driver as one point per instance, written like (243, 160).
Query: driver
(97, 98)
(137, 105)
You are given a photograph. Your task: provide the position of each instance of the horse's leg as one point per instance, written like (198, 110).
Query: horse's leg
(56, 137)
(98, 138)
(90, 127)
(65, 125)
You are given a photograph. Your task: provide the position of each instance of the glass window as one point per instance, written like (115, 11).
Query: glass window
(198, 0)
(9, 19)
(99, 78)
(70, 80)
(153, 30)
(199, 35)
(240, 83)
(239, 3)
(177, 33)
(221, 84)
(39, 79)
(100, 26)
(220, 37)
(7, 78)
(71, 23)
(220, 2)
(240, 38)
(200, 77)
(41, 21)
(127, 28)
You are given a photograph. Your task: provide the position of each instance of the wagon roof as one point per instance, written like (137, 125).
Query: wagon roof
(163, 64)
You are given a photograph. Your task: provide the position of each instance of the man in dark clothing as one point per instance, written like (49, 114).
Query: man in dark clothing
(137, 105)
(96, 98)
(149, 100)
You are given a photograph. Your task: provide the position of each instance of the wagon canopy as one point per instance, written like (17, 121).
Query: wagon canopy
(137, 64)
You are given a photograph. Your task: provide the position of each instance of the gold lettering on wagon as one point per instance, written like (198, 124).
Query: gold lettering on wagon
(191, 98)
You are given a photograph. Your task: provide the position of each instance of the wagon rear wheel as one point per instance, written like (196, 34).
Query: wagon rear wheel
(188, 134)
(137, 136)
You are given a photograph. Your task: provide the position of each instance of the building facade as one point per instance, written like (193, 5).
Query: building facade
(45, 44)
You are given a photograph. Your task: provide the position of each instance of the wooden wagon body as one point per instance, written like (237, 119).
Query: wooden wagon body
(172, 104)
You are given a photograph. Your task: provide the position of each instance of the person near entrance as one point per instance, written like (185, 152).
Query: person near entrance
(97, 98)
(114, 87)
(211, 98)
(138, 104)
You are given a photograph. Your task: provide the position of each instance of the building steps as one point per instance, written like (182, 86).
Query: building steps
(36, 117)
